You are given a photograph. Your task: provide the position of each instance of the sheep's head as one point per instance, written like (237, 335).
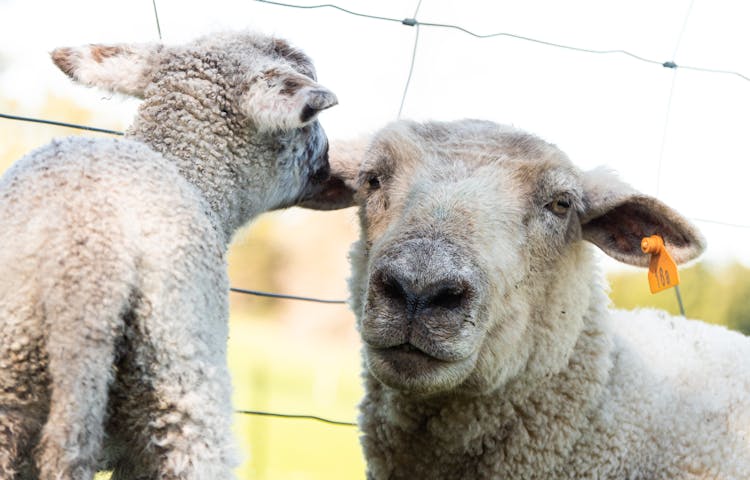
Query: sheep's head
(471, 267)
(247, 100)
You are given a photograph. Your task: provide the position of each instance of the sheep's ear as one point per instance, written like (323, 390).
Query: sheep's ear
(281, 98)
(617, 218)
(118, 68)
(338, 191)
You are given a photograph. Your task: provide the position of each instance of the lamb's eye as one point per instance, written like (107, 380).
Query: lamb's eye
(559, 206)
(373, 182)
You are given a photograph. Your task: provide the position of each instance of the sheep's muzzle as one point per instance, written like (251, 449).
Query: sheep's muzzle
(421, 315)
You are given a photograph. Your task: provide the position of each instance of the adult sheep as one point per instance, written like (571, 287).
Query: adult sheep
(489, 347)
(113, 291)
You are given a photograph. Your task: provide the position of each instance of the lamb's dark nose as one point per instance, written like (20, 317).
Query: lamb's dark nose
(322, 173)
(321, 166)
(415, 297)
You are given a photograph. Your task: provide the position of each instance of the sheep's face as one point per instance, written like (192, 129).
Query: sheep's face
(470, 269)
(456, 222)
(245, 103)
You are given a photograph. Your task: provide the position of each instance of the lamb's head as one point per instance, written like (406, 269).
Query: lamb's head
(242, 103)
(471, 269)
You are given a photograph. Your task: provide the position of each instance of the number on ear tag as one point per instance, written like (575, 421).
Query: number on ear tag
(662, 270)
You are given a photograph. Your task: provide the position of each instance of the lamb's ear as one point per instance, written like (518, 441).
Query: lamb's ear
(338, 191)
(617, 218)
(124, 69)
(281, 98)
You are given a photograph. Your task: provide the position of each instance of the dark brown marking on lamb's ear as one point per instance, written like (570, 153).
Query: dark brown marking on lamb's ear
(272, 72)
(126, 69)
(100, 52)
(63, 58)
(291, 87)
(299, 59)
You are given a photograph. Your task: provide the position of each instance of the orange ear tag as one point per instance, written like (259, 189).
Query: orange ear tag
(662, 271)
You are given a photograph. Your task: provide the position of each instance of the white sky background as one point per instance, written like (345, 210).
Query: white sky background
(600, 109)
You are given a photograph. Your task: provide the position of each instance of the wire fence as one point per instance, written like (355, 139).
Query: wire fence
(414, 22)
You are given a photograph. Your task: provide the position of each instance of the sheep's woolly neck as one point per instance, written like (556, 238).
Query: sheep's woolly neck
(643, 396)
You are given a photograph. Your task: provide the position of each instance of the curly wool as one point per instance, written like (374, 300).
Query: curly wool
(113, 297)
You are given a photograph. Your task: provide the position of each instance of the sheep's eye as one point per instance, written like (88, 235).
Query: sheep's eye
(559, 206)
(373, 182)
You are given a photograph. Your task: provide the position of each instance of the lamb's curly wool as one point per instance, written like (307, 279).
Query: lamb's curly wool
(113, 291)
(490, 352)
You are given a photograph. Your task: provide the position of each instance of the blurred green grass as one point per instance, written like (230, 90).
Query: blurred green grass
(715, 293)
(272, 373)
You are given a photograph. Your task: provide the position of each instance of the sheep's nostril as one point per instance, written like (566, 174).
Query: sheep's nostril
(393, 289)
(412, 298)
(449, 298)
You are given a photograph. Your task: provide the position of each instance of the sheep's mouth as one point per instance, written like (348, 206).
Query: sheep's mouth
(407, 353)
(407, 367)
(407, 348)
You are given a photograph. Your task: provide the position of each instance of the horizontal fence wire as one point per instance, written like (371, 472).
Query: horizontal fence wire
(60, 124)
(723, 224)
(414, 22)
(285, 296)
(296, 417)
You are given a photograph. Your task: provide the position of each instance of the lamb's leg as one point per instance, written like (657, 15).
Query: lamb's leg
(71, 438)
(15, 433)
(172, 423)
(175, 407)
(83, 318)
(8, 446)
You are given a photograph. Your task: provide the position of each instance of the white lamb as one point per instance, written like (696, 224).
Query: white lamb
(113, 290)
(489, 347)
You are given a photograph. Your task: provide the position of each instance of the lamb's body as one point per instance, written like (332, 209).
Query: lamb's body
(109, 253)
(490, 352)
(113, 284)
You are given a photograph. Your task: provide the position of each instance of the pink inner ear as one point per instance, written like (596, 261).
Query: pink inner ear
(333, 195)
(619, 232)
